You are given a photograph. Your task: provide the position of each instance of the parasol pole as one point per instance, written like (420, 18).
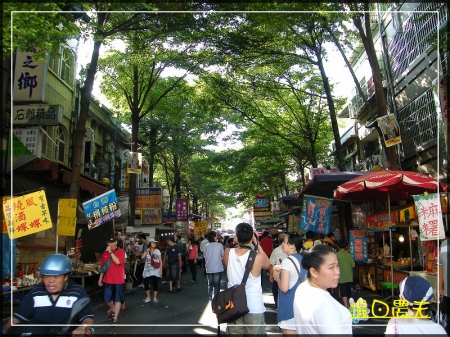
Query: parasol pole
(410, 246)
(390, 252)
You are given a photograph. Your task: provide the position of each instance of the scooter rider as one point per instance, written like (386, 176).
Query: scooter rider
(51, 302)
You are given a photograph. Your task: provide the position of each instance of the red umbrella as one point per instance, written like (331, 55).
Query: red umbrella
(388, 185)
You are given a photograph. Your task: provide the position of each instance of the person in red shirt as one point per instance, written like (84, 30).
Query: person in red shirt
(113, 279)
(267, 243)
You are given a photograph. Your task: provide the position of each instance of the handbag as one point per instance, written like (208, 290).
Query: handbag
(155, 263)
(231, 304)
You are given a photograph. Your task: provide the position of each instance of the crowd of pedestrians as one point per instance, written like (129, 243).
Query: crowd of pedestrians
(312, 280)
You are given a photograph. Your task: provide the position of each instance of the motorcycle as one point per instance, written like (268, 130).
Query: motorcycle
(33, 328)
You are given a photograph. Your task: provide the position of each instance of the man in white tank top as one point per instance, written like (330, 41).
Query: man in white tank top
(235, 260)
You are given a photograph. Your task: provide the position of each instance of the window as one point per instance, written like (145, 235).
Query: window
(63, 65)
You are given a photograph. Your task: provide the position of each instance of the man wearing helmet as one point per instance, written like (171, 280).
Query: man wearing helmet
(51, 302)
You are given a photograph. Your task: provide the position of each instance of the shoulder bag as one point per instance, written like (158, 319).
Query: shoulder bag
(231, 304)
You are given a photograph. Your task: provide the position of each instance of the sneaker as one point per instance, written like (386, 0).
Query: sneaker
(155, 300)
(141, 285)
(147, 300)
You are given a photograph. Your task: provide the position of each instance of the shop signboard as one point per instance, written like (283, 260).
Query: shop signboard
(316, 215)
(429, 214)
(150, 216)
(37, 114)
(101, 209)
(182, 210)
(26, 214)
(148, 197)
(358, 245)
(67, 217)
(379, 222)
(293, 223)
(200, 228)
(262, 209)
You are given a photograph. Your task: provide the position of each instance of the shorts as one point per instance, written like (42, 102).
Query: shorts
(345, 289)
(249, 325)
(173, 271)
(113, 292)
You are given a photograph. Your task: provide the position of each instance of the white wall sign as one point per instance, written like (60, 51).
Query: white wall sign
(37, 114)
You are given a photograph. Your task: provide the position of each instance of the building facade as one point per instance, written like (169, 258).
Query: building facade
(415, 72)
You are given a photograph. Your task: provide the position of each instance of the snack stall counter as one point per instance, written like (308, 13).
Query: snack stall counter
(370, 275)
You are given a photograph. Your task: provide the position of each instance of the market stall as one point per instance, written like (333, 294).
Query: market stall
(390, 186)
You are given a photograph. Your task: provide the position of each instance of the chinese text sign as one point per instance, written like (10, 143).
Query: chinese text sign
(101, 209)
(27, 214)
(428, 210)
(67, 217)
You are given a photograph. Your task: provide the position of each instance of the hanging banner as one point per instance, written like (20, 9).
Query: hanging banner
(390, 130)
(358, 245)
(150, 216)
(182, 210)
(379, 222)
(316, 215)
(428, 209)
(67, 217)
(26, 214)
(101, 209)
(134, 162)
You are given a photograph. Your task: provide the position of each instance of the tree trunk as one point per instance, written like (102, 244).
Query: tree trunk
(367, 40)
(134, 145)
(334, 123)
(80, 131)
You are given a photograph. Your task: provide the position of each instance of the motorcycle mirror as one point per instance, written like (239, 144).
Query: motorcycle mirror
(77, 306)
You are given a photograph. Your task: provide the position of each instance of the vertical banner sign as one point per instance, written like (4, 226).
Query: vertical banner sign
(27, 214)
(150, 216)
(30, 78)
(316, 214)
(148, 197)
(182, 210)
(358, 245)
(134, 162)
(67, 217)
(101, 209)
(390, 130)
(428, 209)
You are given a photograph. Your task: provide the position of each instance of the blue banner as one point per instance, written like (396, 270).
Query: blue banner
(101, 209)
(316, 215)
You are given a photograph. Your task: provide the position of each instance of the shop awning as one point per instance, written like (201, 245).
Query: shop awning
(85, 183)
(293, 210)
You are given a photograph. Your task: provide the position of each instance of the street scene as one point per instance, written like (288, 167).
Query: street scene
(206, 168)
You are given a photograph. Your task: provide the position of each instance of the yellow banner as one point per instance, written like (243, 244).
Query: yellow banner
(67, 219)
(27, 214)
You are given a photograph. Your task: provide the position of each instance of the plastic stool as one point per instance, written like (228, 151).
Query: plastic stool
(386, 286)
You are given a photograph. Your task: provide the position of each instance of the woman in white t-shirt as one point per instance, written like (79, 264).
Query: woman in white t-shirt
(152, 269)
(315, 310)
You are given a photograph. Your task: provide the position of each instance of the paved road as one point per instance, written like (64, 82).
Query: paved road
(189, 312)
